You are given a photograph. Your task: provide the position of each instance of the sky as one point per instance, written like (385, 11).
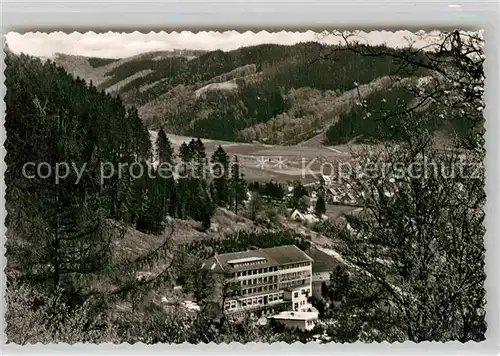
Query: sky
(120, 45)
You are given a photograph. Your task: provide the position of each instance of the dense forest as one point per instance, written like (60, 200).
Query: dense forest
(72, 191)
(377, 118)
(75, 123)
(256, 101)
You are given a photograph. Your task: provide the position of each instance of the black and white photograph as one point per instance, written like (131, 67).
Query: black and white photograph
(245, 186)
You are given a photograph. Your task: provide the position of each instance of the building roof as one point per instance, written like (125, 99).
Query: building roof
(273, 256)
(295, 315)
(287, 254)
(246, 259)
(297, 214)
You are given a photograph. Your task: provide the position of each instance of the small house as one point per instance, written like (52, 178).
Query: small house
(297, 319)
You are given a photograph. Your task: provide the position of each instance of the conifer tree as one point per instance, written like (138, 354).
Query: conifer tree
(320, 207)
(165, 171)
(164, 149)
(238, 186)
(185, 153)
(220, 162)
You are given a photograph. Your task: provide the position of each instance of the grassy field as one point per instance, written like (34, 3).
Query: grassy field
(281, 163)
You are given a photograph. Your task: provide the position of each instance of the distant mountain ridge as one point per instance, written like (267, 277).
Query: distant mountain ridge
(278, 94)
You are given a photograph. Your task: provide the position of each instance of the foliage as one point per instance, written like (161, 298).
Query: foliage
(34, 316)
(417, 250)
(379, 123)
(271, 190)
(255, 205)
(299, 199)
(450, 87)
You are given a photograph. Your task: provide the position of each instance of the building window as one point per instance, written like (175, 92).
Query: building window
(296, 294)
(265, 279)
(296, 306)
(281, 295)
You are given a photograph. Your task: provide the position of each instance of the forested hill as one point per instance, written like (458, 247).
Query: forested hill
(269, 93)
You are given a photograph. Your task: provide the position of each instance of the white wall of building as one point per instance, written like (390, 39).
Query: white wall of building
(269, 298)
(299, 294)
(299, 324)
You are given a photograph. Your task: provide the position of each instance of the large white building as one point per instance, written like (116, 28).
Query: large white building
(270, 280)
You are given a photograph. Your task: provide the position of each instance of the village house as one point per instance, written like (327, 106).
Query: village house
(297, 216)
(325, 180)
(348, 198)
(332, 195)
(308, 217)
